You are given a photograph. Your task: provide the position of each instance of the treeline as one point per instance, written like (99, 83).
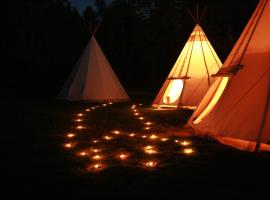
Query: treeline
(141, 38)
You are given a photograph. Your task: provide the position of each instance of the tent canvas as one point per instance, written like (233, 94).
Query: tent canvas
(93, 79)
(236, 109)
(190, 76)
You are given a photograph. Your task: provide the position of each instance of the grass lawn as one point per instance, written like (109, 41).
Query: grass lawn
(39, 163)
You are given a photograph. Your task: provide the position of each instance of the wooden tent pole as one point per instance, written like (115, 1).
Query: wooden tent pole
(267, 107)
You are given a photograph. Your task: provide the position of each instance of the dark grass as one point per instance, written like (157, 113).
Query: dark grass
(37, 165)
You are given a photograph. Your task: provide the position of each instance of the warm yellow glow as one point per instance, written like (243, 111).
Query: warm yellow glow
(93, 108)
(83, 153)
(87, 110)
(110, 103)
(141, 118)
(80, 114)
(144, 136)
(188, 151)
(107, 137)
(150, 150)
(116, 132)
(148, 123)
(95, 141)
(97, 157)
(135, 110)
(104, 105)
(136, 113)
(70, 135)
(153, 137)
(213, 101)
(151, 164)
(78, 120)
(133, 106)
(140, 104)
(80, 127)
(173, 91)
(176, 141)
(131, 134)
(164, 139)
(96, 167)
(149, 147)
(96, 150)
(122, 156)
(147, 128)
(185, 143)
(69, 145)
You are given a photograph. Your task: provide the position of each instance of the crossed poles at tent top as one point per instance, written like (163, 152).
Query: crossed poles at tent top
(142, 148)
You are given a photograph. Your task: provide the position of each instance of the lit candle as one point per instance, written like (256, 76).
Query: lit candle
(144, 136)
(95, 150)
(104, 105)
(93, 108)
(122, 156)
(97, 157)
(188, 151)
(95, 141)
(150, 150)
(147, 128)
(164, 139)
(151, 164)
(87, 110)
(148, 123)
(110, 103)
(185, 143)
(96, 167)
(131, 134)
(141, 118)
(153, 137)
(107, 137)
(116, 132)
(133, 106)
(136, 114)
(78, 120)
(69, 145)
(80, 114)
(83, 153)
(79, 127)
(70, 135)
(176, 141)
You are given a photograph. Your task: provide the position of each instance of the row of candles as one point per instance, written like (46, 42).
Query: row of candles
(96, 155)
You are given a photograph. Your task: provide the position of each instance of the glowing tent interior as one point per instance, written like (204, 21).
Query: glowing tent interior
(236, 109)
(93, 78)
(190, 76)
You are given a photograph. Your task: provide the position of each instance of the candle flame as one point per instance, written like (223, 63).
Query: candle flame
(188, 151)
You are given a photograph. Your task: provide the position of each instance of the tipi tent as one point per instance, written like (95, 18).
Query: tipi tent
(190, 76)
(236, 109)
(93, 79)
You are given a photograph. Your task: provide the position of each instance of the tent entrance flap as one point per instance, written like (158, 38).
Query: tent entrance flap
(173, 92)
(219, 91)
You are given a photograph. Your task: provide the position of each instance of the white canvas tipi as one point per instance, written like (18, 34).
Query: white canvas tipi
(93, 79)
(236, 109)
(190, 76)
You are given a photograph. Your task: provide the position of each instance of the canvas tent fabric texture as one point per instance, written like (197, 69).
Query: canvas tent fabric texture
(93, 78)
(236, 109)
(190, 76)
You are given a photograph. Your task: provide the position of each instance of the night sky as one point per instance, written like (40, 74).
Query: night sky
(82, 4)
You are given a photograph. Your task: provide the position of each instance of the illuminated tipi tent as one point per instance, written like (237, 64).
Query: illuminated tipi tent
(190, 76)
(93, 79)
(236, 109)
